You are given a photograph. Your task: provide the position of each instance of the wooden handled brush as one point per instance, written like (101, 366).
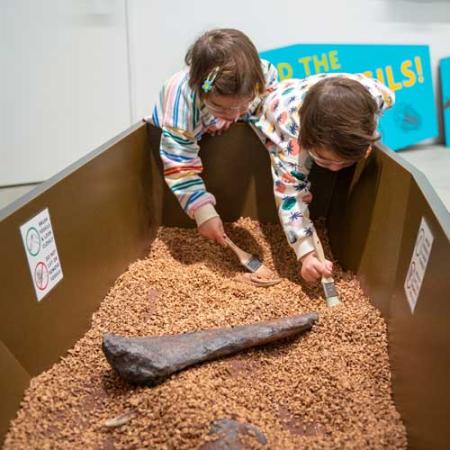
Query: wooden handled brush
(262, 275)
(329, 287)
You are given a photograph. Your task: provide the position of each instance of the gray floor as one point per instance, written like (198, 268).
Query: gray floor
(432, 160)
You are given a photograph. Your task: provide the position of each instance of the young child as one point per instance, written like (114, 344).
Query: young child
(327, 119)
(224, 82)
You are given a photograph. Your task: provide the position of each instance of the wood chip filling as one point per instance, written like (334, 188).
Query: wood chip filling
(330, 388)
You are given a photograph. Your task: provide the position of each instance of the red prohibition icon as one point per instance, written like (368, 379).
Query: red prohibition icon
(41, 275)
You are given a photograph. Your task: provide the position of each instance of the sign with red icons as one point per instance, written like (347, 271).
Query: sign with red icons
(42, 254)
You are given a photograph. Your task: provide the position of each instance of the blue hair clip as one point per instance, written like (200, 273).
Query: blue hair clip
(209, 81)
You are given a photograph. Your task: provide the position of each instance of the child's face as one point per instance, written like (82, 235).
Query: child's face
(227, 107)
(328, 159)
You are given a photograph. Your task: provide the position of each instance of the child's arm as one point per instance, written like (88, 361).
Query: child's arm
(291, 190)
(177, 114)
(277, 126)
(291, 186)
(182, 169)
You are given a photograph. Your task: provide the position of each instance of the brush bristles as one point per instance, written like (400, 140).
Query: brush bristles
(253, 264)
(333, 301)
(330, 293)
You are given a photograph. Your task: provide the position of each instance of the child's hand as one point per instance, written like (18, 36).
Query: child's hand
(312, 269)
(213, 229)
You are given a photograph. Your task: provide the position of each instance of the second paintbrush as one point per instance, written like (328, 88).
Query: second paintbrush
(329, 287)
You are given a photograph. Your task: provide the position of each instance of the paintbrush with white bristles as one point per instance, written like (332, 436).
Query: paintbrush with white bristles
(262, 275)
(329, 287)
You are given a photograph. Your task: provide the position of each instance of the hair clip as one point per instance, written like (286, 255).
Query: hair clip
(209, 81)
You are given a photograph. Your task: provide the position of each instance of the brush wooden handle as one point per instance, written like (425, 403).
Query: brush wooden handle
(327, 282)
(320, 255)
(318, 247)
(241, 254)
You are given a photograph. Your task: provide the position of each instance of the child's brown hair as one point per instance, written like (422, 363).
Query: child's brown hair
(234, 58)
(339, 114)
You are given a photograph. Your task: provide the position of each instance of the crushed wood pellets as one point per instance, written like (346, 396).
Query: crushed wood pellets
(330, 388)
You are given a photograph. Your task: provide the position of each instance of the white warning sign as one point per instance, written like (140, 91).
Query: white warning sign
(418, 264)
(42, 254)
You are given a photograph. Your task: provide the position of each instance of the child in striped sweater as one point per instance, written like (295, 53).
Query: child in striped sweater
(224, 82)
(327, 119)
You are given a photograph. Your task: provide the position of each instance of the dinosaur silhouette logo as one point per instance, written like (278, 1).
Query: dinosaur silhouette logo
(407, 117)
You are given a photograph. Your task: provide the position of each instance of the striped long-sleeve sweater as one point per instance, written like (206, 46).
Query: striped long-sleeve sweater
(278, 127)
(184, 119)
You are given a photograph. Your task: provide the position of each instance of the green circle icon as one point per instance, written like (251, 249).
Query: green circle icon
(33, 241)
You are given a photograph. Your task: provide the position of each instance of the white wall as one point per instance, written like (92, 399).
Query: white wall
(71, 83)
(64, 83)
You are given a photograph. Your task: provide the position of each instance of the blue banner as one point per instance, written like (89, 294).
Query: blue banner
(403, 68)
(445, 89)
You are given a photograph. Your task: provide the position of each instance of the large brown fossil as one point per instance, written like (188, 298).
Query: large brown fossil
(149, 360)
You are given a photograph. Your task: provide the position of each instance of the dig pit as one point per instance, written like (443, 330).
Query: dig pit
(329, 388)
